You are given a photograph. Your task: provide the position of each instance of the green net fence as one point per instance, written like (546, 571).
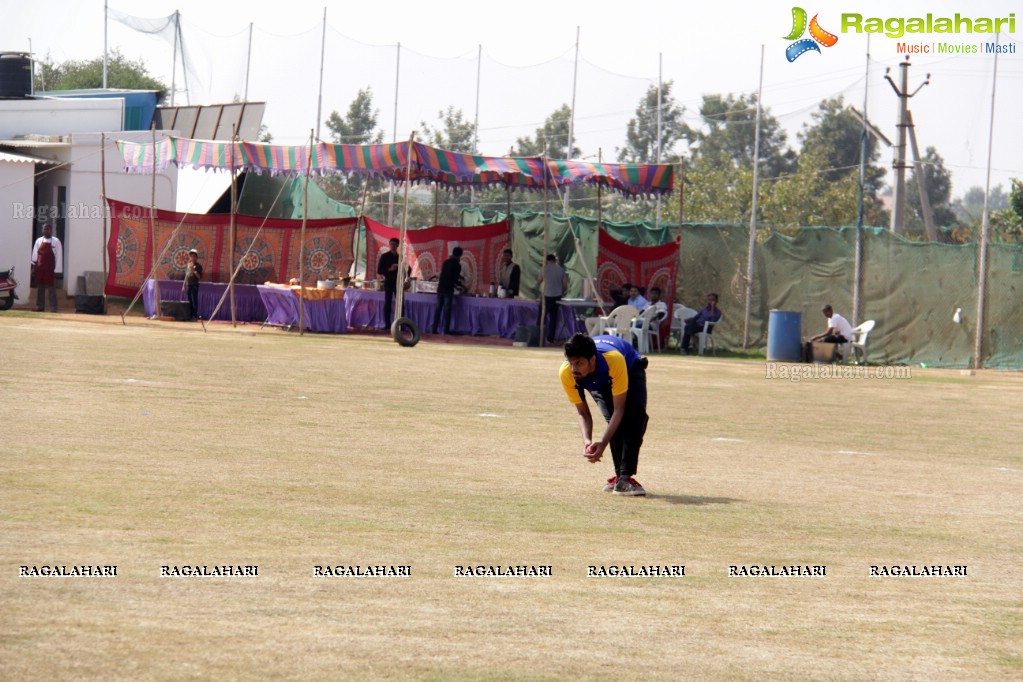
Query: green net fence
(912, 290)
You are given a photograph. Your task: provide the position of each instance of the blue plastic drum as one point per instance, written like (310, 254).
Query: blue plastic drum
(784, 336)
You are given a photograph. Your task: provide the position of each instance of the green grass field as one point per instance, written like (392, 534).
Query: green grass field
(155, 444)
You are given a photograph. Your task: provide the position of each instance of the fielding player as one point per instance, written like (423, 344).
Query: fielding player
(615, 375)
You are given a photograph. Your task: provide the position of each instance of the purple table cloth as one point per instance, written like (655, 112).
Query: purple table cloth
(475, 316)
(248, 305)
(325, 315)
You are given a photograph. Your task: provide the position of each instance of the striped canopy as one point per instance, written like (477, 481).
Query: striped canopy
(391, 161)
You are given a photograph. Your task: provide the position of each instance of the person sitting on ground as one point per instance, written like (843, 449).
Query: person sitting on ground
(839, 331)
(694, 324)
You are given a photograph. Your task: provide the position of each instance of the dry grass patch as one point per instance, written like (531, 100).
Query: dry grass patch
(156, 444)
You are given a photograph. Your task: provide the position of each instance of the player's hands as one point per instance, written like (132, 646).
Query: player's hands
(594, 451)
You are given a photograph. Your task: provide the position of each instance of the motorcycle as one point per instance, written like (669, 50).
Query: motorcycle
(7, 289)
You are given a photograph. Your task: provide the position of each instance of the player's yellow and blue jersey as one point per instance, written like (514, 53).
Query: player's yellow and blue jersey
(615, 357)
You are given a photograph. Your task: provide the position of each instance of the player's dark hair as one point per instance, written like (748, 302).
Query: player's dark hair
(457, 251)
(580, 346)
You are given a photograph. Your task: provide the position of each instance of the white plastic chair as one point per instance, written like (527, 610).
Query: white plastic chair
(646, 327)
(619, 322)
(705, 338)
(679, 315)
(856, 348)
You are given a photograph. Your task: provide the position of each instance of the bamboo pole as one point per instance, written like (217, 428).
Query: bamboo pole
(400, 294)
(301, 247)
(234, 210)
(361, 223)
(104, 208)
(152, 225)
(543, 256)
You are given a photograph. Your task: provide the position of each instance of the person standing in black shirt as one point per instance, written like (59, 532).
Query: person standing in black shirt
(193, 273)
(450, 277)
(387, 268)
(509, 274)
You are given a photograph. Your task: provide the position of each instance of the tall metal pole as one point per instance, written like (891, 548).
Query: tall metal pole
(323, 51)
(184, 64)
(571, 117)
(858, 249)
(476, 124)
(248, 66)
(174, 60)
(660, 86)
(106, 20)
(978, 341)
(397, 81)
(751, 252)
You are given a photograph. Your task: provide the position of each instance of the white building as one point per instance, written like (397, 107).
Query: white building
(50, 171)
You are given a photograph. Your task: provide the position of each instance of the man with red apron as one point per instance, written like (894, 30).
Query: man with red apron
(47, 263)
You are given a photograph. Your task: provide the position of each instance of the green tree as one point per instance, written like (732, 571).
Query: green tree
(938, 181)
(553, 136)
(970, 207)
(455, 133)
(1016, 198)
(358, 126)
(88, 73)
(730, 136)
(835, 135)
(641, 133)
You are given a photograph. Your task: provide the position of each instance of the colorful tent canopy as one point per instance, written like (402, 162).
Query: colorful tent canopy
(391, 161)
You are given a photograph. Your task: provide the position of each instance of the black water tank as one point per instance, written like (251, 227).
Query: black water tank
(15, 75)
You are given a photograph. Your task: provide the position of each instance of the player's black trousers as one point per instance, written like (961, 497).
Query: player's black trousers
(628, 439)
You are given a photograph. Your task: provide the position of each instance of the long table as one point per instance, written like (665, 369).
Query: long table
(248, 305)
(321, 314)
(470, 315)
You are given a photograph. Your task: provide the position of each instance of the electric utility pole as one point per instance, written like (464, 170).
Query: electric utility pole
(899, 164)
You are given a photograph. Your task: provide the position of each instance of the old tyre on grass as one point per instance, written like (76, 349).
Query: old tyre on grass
(405, 332)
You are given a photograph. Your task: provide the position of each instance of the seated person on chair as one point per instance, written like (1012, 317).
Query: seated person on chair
(620, 296)
(655, 302)
(694, 325)
(636, 299)
(839, 331)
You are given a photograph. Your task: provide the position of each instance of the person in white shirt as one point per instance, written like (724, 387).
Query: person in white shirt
(839, 330)
(47, 263)
(657, 304)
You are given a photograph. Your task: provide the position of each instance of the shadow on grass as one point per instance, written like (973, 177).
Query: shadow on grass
(692, 500)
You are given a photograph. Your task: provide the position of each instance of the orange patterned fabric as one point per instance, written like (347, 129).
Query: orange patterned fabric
(274, 255)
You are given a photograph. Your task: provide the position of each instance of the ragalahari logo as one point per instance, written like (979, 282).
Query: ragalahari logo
(817, 35)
